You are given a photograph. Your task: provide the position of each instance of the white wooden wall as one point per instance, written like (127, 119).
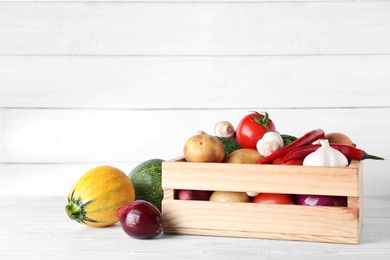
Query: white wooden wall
(85, 83)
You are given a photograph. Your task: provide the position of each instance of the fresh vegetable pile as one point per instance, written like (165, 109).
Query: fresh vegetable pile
(256, 141)
(105, 195)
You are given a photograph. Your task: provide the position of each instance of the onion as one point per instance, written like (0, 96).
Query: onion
(320, 200)
(140, 219)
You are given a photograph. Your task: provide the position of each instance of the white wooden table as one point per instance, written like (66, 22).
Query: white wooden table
(38, 228)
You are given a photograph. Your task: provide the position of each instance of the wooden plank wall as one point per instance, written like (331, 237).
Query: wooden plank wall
(85, 83)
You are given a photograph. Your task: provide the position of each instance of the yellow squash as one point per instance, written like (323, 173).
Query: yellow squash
(97, 195)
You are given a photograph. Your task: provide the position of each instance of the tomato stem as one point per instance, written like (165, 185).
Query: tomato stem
(261, 119)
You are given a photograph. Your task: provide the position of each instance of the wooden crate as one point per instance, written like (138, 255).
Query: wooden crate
(253, 220)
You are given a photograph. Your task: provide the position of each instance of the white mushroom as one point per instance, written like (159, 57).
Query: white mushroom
(224, 129)
(269, 143)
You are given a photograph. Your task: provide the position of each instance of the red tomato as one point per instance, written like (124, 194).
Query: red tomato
(251, 129)
(273, 198)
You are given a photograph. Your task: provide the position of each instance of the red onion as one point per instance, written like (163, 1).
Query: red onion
(320, 200)
(140, 219)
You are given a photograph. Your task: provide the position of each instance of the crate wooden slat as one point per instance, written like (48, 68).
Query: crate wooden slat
(287, 222)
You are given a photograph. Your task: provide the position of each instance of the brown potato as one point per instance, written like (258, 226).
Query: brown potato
(243, 156)
(204, 148)
(229, 196)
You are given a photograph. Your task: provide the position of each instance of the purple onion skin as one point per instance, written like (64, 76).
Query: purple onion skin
(140, 219)
(193, 195)
(320, 200)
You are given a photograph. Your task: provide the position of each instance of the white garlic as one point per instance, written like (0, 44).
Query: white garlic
(326, 156)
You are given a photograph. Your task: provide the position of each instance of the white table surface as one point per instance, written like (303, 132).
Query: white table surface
(38, 228)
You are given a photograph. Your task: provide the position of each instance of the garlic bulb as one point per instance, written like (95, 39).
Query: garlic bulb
(224, 129)
(326, 156)
(269, 143)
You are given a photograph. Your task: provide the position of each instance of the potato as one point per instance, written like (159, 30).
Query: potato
(229, 196)
(203, 148)
(243, 156)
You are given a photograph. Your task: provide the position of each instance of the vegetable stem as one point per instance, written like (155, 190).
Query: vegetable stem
(370, 156)
(74, 211)
(261, 119)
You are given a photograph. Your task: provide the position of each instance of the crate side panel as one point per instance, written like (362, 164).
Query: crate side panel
(168, 194)
(248, 217)
(262, 178)
(264, 235)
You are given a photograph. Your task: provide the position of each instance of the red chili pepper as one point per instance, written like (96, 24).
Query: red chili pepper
(293, 162)
(278, 160)
(352, 153)
(306, 139)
